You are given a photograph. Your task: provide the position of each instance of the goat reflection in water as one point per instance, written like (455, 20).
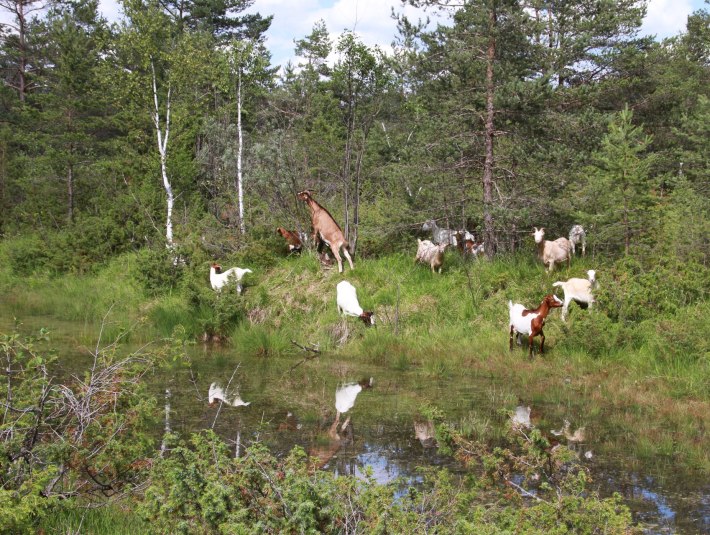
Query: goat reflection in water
(216, 393)
(345, 397)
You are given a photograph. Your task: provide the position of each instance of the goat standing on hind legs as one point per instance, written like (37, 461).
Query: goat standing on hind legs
(326, 229)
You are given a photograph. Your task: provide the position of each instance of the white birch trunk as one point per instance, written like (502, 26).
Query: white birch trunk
(163, 150)
(240, 188)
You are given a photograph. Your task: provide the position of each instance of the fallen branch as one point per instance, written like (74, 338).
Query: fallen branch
(314, 350)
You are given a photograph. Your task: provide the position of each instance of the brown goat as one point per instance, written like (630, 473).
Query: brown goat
(326, 229)
(531, 322)
(294, 241)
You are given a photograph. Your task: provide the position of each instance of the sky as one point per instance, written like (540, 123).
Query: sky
(371, 20)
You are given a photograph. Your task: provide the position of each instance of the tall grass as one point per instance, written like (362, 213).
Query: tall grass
(109, 520)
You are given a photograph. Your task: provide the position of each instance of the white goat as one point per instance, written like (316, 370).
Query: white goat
(552, 252)
(218, 279)
(348, 304)
(579, 290)
(578, 235)
(428, 253)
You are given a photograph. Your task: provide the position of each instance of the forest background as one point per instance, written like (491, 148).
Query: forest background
(169, 138)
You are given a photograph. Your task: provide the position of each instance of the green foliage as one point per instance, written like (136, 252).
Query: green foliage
(156, 270)
(102, 420)
(201, 487)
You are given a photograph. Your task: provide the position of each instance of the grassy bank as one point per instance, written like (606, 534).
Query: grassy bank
(643, 371)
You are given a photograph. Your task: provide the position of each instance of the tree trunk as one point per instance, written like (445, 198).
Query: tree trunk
(240, 148)
(163, 150)
(70, 193)
(488, 224)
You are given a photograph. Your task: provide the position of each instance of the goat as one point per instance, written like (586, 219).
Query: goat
(440, 235)
(469, 247)
(219, 279)
(348, 304)
(428, 253)
(531, 322)
(578, 235)
(579, 290)
(295, 244)
(326, 229)
(552, 252)
(216, 393)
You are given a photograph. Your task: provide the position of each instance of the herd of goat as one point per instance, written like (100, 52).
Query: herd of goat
(523, 321)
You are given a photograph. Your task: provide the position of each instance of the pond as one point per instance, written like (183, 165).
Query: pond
(292, 401)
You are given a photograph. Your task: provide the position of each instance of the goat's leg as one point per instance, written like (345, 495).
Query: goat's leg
(542, 342)
(511, 338)
(337, 257)
(531, 338)
(347, 255)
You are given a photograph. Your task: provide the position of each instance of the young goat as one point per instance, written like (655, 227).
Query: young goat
(428, 253)
(326, 229)
(219, 279)
(295, 244)
(578, 235)
(348, 304)
(579, 290)
(531, 322)
(552, 252)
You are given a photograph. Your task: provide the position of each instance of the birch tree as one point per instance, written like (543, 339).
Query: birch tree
(248, 73)
(150, 44)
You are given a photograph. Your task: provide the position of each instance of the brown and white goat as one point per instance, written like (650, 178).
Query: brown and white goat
(531, 322)
(292, 239)
(326, 229)
(467, 246)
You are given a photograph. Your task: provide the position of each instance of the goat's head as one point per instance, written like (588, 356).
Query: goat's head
(553, 301)
(305, 195)
(428, 225)
(368, 318)
(539, 234)
(281, 230)
(217, 268)
(592, 276)
(366, 383)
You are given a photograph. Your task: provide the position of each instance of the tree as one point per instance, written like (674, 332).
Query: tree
(17, 45)
(218, 18)
(577, 40)
(621, 184)
(72, 104)
(466, 66)
(360, 79)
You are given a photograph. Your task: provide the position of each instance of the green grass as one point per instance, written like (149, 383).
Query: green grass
(108, 520)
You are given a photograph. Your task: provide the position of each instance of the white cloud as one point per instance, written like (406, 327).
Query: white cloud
(666, 18)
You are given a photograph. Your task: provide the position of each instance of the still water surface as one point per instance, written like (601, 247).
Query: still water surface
(291, 406)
